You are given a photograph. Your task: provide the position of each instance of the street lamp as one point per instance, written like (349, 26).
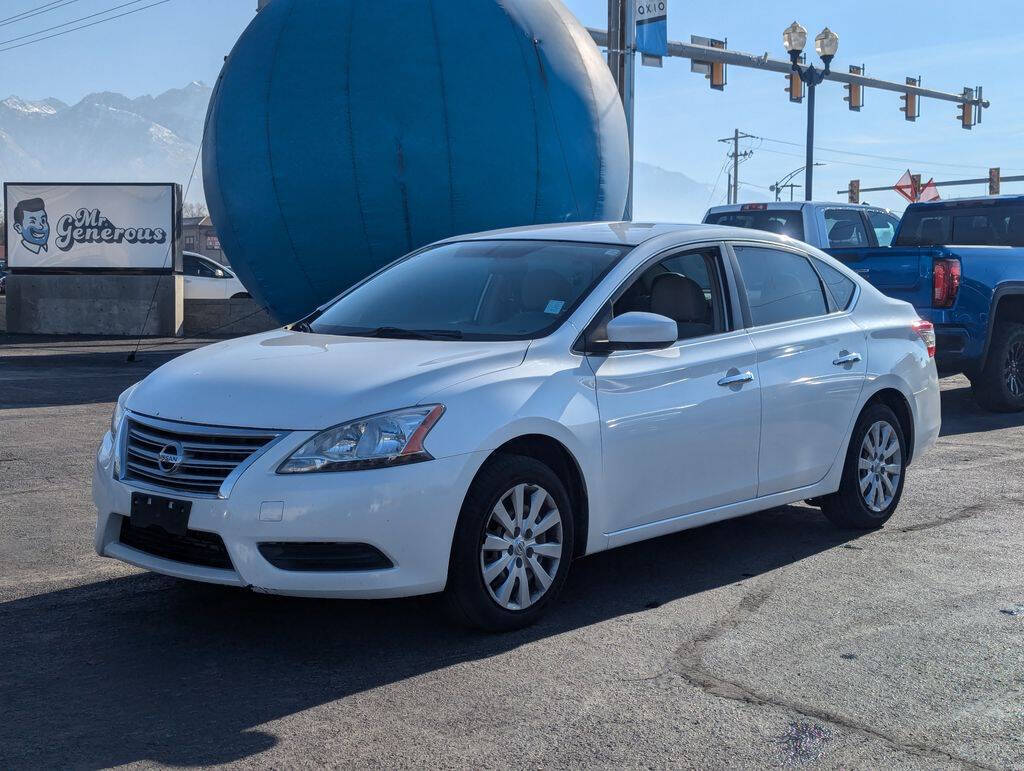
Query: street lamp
(826, 43)
(783, 183)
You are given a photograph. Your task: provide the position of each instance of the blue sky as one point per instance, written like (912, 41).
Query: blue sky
(950, 44)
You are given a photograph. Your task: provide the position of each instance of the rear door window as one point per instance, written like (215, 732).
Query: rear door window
(884, 226)
(845, 228)
(786, 222)
(780, 286)
(975, 230)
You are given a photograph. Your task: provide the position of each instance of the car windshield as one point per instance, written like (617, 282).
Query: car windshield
(473, 290)
(786, 222)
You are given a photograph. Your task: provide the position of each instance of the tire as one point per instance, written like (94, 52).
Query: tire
(849, 507)
(470, 598)
(999, 387)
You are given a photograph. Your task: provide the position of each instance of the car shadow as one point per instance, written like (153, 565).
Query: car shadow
(148, 669)
(962, 415)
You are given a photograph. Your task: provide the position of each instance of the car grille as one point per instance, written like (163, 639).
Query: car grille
(195, 547)
(207, 455)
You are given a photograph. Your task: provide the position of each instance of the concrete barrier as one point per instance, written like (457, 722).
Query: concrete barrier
(207, 318)
(226, 318)
(94, 304)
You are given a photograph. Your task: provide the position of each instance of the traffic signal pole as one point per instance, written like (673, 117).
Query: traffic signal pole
(620, 42)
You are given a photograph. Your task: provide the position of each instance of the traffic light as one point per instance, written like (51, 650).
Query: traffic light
(717, 74)
(910, 108)
(854, 191)
(966, 110)
(993, 180)
(855, 91)
(794, 87)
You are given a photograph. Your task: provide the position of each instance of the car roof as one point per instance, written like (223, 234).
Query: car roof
(990, 200)
(617, 233)
(777, 205)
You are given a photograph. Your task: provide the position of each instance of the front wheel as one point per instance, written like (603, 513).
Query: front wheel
(873, 475)
(999, 387)
(513, 545)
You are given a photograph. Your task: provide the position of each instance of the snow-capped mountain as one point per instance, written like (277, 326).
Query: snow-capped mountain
(105, 137)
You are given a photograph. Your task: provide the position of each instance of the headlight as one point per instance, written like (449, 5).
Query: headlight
(119, 410)
(387, 439)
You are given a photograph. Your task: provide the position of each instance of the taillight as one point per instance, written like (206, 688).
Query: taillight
(926, 331)
(945, 282)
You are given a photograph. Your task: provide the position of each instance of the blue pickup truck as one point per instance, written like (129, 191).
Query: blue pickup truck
(960, 263)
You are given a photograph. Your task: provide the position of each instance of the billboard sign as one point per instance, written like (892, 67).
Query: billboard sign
(92, 226)
(652, 27)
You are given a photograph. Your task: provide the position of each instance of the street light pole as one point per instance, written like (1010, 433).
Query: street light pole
(794, 38)
(809, 164)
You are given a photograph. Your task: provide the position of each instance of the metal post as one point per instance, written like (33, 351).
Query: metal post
(809, 171)
(735, 165)
(621, 42)
(629, 9)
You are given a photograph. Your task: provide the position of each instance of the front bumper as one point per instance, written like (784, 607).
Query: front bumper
(407, 512)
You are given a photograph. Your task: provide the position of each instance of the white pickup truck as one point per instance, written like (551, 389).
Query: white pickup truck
(824, 224)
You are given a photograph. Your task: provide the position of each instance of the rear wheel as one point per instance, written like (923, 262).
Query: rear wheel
(512, 547)
(1000, 384)
(873, 475)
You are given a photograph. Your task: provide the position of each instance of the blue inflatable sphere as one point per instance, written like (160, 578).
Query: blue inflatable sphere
(343, 134)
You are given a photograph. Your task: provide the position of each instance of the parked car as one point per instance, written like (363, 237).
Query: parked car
(824, 224)
(206, 279)
(476, 415)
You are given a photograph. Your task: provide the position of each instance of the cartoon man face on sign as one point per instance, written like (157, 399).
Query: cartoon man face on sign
(32, 224)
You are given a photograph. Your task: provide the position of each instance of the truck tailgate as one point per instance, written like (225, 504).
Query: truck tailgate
(901, 272)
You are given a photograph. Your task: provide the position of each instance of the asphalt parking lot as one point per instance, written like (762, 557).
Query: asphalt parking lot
(773, 640)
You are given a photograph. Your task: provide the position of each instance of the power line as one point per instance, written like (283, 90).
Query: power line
(84, 26)
(46, 7)
(871, 155)
(67, 23)
(834, 160)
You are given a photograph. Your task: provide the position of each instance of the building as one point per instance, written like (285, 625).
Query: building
(199, 235)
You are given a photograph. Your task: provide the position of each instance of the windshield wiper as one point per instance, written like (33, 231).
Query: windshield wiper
(415, 334)
(303, 324)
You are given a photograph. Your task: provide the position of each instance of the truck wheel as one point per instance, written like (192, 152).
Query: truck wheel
(1000, 385)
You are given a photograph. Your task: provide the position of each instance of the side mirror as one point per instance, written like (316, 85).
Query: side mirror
(218, 273)
(638, 331)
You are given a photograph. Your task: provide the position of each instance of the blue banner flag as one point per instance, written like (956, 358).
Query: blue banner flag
(652, 27)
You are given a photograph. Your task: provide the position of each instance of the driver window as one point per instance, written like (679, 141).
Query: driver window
(684, 288)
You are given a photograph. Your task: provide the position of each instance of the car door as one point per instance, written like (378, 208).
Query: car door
(811, 360)
(679, 425)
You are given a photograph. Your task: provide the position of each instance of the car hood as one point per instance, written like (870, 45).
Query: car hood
(299, 381)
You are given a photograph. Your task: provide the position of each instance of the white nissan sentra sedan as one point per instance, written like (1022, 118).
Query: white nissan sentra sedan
(479, 413)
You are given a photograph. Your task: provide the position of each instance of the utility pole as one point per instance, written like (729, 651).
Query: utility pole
(621, 43)
(737, 135)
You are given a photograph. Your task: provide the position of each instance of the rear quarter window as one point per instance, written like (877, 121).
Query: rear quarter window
(841, 287)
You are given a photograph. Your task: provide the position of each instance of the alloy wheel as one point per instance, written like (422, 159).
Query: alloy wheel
(880, 466)
(521, 547)
(1013, 369)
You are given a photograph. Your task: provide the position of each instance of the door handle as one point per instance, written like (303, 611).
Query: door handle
(847, 358)
(737, 379)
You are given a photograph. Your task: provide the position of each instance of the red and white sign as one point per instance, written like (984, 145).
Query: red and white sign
(915, 193)
(929, 192)
(905, 186)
